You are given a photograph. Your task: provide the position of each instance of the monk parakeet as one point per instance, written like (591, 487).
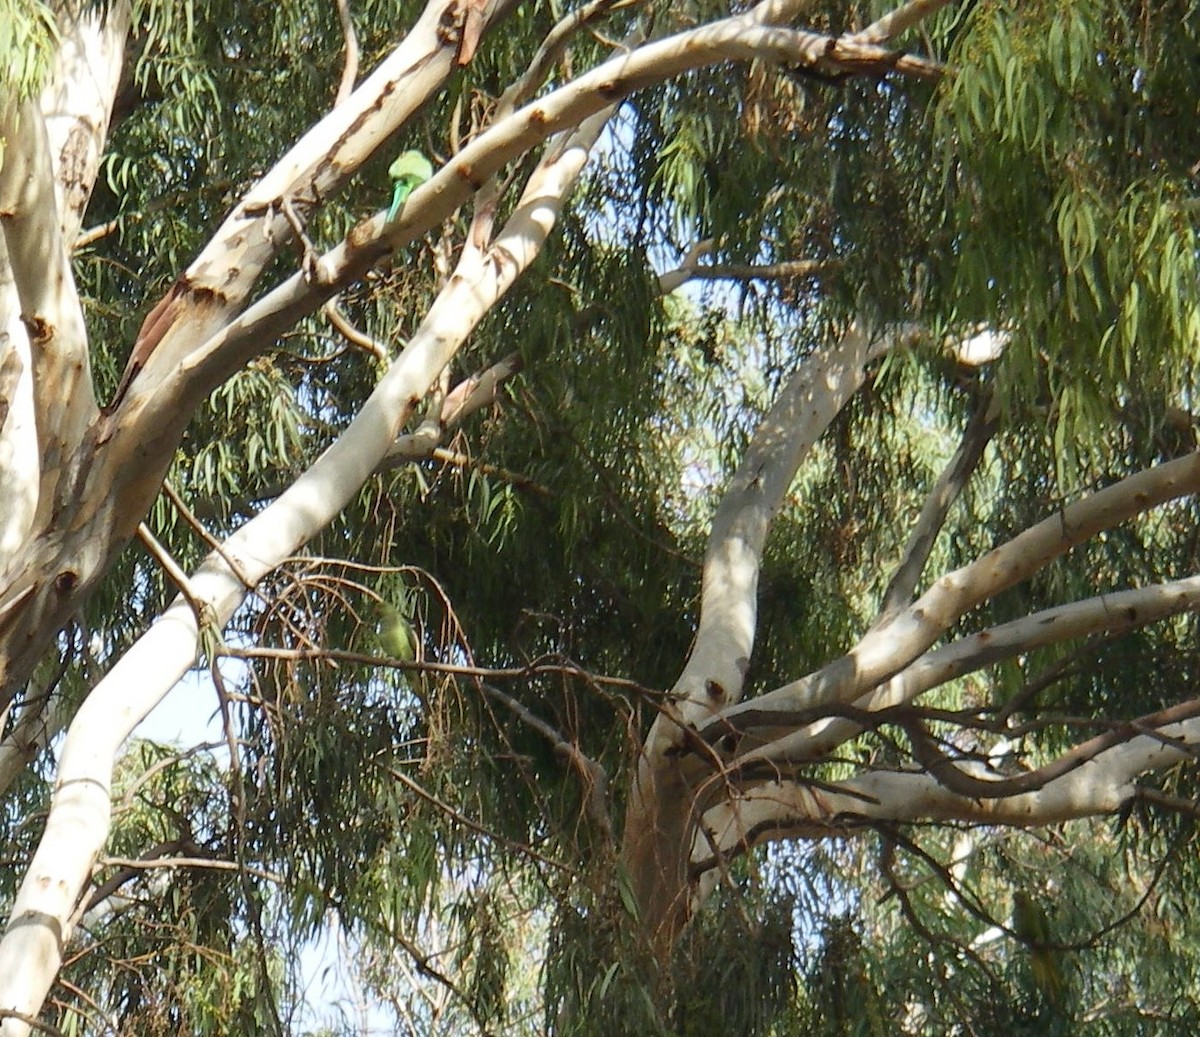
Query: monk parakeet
(395, 633)
(410, 170)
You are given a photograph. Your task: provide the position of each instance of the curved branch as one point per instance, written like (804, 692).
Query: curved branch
(188, 372)
(218, 282)
(472, 394)
(1105, 614)
(659, 824)
(350, 46)
(900, 20)
(791, 809)
(949, 773)
(889, 648)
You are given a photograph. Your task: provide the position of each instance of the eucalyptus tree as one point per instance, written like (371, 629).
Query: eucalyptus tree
(551, 612)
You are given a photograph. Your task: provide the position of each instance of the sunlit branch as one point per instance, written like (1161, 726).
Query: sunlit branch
(900, 20)
(739, 38)
(659, 822)
(1110, 614)
(77, 101)
(470, 396)
(50, 306)
(791, 809)
(889, 648)
(80, 814)
(352, 334)
(20, 466)
(350, 67)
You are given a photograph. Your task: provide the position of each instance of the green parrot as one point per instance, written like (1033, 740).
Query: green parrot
(395, 633)
(410, 170)
(1032, 925)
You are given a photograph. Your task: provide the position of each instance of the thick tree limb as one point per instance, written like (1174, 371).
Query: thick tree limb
(1106, 614)
(780, 810)
(186, 379)
(888, 648)
(54, 155)
(50, 309)
(217, 284)
(78, 100)
(48, 173)
(20, 469)
(659, 825)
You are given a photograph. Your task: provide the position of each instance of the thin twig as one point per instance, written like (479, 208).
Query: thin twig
(595, 780)
(206, 863)
(211, 542)
(460, 818)
(31, 1021)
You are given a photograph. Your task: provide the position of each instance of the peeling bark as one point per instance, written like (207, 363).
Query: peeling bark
(104, 470)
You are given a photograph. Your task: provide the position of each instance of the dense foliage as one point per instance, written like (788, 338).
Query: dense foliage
(442, 815)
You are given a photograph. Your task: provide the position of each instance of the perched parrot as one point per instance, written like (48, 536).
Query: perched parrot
(395, 633)
(1031, 923)
(410, 170)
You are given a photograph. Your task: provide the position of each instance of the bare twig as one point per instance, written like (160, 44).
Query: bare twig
(459, 818)
(595, 780)
(32, 1022)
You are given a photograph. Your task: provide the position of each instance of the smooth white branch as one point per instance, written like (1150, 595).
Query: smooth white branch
(890, 647)
(750, 36)
(1111, 613)
(659, 825)
(50, 309)
(790, 809)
